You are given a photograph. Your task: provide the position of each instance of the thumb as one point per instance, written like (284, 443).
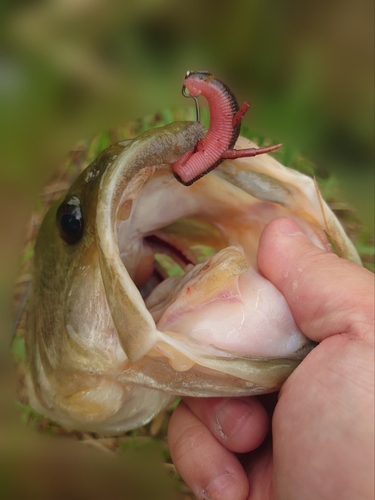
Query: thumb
(327, 295)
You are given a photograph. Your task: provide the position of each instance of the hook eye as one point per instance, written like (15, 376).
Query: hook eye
(185, 93)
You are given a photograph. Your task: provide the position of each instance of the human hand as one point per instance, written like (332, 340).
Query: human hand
(322, 441)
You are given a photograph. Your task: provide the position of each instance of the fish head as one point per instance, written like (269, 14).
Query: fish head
(145, 289)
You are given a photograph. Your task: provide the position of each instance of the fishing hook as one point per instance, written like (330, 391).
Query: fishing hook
(185, 93)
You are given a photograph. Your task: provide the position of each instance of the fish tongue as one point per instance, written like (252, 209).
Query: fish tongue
(244, 314)
(214, 278)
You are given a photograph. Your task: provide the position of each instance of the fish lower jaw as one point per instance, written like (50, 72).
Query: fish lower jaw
(218, 308)
(222, 307)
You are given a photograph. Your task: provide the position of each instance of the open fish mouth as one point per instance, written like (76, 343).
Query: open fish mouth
(217, 305)
(161, 295)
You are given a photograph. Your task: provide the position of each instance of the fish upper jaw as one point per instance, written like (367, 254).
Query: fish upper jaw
(128, 173)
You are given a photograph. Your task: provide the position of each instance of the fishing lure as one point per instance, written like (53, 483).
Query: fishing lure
(225, 123)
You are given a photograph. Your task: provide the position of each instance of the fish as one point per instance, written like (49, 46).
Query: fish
(112, 338)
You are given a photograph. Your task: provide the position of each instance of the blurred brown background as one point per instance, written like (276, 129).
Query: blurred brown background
(70, 68)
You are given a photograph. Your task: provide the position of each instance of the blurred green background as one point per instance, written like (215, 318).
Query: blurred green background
(70, 68)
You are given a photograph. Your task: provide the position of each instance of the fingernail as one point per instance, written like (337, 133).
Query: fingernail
(289, 227)
(221, 487)
(227, 420)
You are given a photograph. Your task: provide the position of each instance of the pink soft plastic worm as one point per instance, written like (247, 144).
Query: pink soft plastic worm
(225, 124)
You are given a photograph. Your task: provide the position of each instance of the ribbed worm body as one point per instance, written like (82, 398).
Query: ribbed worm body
(225, 124)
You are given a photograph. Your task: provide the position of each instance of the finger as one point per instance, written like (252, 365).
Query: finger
(326, 294)
(259, 469)
(210, 470)
(239, 424)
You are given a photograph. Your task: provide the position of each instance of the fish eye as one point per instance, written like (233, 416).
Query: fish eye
(69, 220)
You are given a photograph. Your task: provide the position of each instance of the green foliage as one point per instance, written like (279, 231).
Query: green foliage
(169, 265)
(18, 349)
(30, 417)
(27, 255)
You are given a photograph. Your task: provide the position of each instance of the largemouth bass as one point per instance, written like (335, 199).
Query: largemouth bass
(111, 338)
